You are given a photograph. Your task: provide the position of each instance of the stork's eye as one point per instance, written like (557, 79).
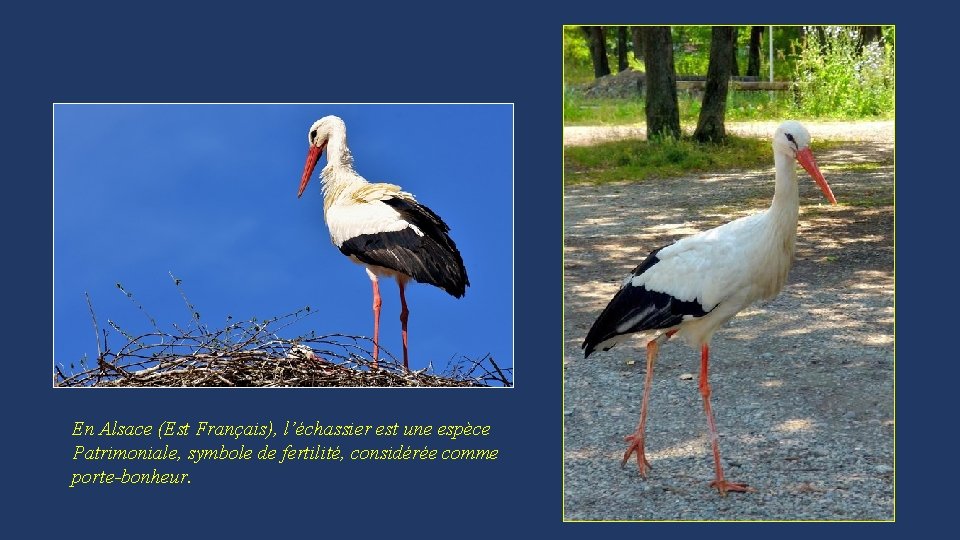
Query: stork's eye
(790, 138)
(313, 135)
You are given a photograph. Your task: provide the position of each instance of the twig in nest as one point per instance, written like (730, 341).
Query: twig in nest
(251, 353)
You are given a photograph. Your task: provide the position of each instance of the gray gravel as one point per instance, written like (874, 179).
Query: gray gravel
(802, 385)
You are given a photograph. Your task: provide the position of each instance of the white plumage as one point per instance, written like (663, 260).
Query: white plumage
(692, 287)
(350, 218)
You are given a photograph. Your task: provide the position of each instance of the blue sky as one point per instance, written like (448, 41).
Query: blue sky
(208, 192)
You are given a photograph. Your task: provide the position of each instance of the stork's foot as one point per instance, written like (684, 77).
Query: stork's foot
(636, 445)
(724, 486)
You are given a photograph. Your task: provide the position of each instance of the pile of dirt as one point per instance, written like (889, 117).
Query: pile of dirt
(626, 84)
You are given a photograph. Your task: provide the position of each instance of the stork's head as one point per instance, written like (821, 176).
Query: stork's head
(317, 137)
(793, 140)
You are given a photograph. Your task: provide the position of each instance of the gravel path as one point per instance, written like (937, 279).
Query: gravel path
(880, 131)
(802, 385)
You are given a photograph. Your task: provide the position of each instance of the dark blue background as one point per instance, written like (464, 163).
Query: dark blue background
(487, 52)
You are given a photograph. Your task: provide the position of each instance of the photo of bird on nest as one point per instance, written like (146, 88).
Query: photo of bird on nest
(192, 217)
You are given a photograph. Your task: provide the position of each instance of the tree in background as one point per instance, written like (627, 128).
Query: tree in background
(734, 67)
(710, 123)
(637, 43)
(663, 114)
(822, 38)
(868, 34)
(598, 50)
(753, 52)
(622, 64)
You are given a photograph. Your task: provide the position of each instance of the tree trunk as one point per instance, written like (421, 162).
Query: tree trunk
(868, 34)
(710, 124)
(822, 36)
(622, 63)
(734, 68)
(637, 42)
(663, 114)
(753, 54)
(598, 50)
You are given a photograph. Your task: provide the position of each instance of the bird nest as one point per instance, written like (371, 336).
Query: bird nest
(252, 354)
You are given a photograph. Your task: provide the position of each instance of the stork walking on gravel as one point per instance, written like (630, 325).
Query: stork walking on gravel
(692, 287)
(381, 227)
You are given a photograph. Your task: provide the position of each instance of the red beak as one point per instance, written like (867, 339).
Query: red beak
(805, 157)
(312, 157)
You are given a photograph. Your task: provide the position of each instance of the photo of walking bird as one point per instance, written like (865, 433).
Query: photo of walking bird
(687, 213)
(381, 227)
(692, 287)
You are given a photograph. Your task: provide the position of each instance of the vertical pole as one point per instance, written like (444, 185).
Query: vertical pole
(770, 46)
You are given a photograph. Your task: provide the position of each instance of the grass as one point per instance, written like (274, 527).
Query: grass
(873, 199)
(741, 106)
(639, 160)
(578, 110)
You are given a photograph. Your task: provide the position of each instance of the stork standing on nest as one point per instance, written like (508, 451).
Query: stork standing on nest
(692, 287)
(381, 227)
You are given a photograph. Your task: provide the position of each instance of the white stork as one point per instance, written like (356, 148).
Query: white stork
(693, 286)
(381, 227)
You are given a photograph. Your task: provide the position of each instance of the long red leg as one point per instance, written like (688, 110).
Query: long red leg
(404, 315)
(722, 485)
(376, 322)
(636, 438)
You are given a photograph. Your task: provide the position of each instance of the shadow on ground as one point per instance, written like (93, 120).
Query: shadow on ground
(803, 384)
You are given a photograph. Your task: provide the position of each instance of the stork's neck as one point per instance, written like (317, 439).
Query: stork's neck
(776, 233)
(338, 177)
(338, 154)
(786, 197)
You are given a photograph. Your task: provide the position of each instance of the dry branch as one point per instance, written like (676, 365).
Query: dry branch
(252, 354)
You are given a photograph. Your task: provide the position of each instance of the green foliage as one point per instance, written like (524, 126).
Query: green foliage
(833, 80)
(691, 52)
(577, 66)
(637, 160)
(751, 105)
(691, 49)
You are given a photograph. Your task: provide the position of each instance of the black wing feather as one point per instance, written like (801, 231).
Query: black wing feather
(432, 258)
(659, 310)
